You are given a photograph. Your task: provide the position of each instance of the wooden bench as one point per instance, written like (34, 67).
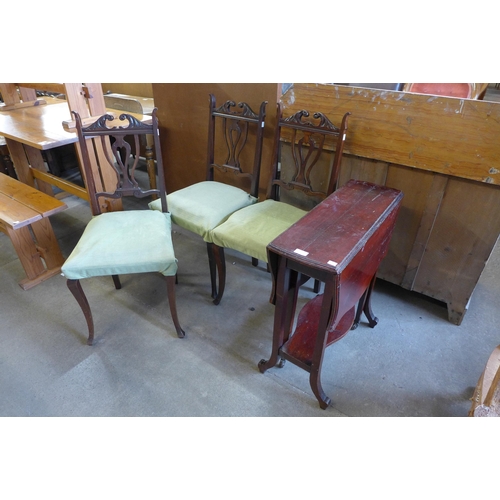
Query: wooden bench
(24, 213)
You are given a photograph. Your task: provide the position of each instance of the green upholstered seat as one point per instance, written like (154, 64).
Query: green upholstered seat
(204, 205)
(302, 163)
(114, 243)
(251, 229)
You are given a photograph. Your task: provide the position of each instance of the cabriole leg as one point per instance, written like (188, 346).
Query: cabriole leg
(220, 260)
(76, 289)
(173, 305)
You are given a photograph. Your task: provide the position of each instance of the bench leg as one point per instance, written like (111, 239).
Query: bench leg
(26, 251)
(47, 243)
(30, 253)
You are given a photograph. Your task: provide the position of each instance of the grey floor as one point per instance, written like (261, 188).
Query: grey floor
(413, 364)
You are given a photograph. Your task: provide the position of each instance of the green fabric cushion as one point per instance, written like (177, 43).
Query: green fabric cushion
(251, 229)
(133, 241)
(204, 205)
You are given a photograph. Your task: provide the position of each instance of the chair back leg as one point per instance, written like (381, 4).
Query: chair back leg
(220, 260)
(116, 281)
(211, 265)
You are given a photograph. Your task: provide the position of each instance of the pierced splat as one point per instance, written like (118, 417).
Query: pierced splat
(236, 122)
(307, 140)
(110, 244)
(116, 136)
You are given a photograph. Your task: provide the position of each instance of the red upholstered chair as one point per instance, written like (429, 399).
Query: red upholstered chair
(462, 90)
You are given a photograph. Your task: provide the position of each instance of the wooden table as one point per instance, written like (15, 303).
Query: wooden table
(32, 129)
(340, 242)
(24, 213)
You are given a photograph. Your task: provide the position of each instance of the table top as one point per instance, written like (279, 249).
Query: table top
(21, 204)
(38, 126)
(331, 234)
(42, 126)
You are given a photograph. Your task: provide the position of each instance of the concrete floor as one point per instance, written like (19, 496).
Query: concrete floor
(413, 364)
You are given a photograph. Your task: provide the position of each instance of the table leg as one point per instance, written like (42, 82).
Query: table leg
(150, 162)
(286, 298)
(21, 165)
(319, 347)
(35, 159)
(364, 305)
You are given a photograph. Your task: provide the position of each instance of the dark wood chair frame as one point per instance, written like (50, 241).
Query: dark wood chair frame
(118, 140)
(236, 122)
(307, 140)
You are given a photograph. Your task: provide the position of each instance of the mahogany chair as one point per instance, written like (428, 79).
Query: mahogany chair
(126, 241)
(306, 146)
(235, 135)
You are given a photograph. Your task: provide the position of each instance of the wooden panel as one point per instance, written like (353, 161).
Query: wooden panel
(57, 88)
(463, 235)
(452, 136)
(183, 117)
(141, 89)
(362, 169)
(443, 153)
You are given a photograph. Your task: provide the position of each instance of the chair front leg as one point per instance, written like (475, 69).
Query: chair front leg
(220, 261)
(76, 289)
(173, 305)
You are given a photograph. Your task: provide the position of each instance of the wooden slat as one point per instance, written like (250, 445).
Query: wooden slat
(32, 198)
(24, 104)
(433, 203)
(68, 187)
(15, 214)
(9, 92)
(57, 88)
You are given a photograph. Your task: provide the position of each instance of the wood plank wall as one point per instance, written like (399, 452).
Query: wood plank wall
(444, 154)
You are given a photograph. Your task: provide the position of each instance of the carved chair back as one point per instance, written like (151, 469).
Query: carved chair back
(306, 158)
(232, 141)
(119, 139)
